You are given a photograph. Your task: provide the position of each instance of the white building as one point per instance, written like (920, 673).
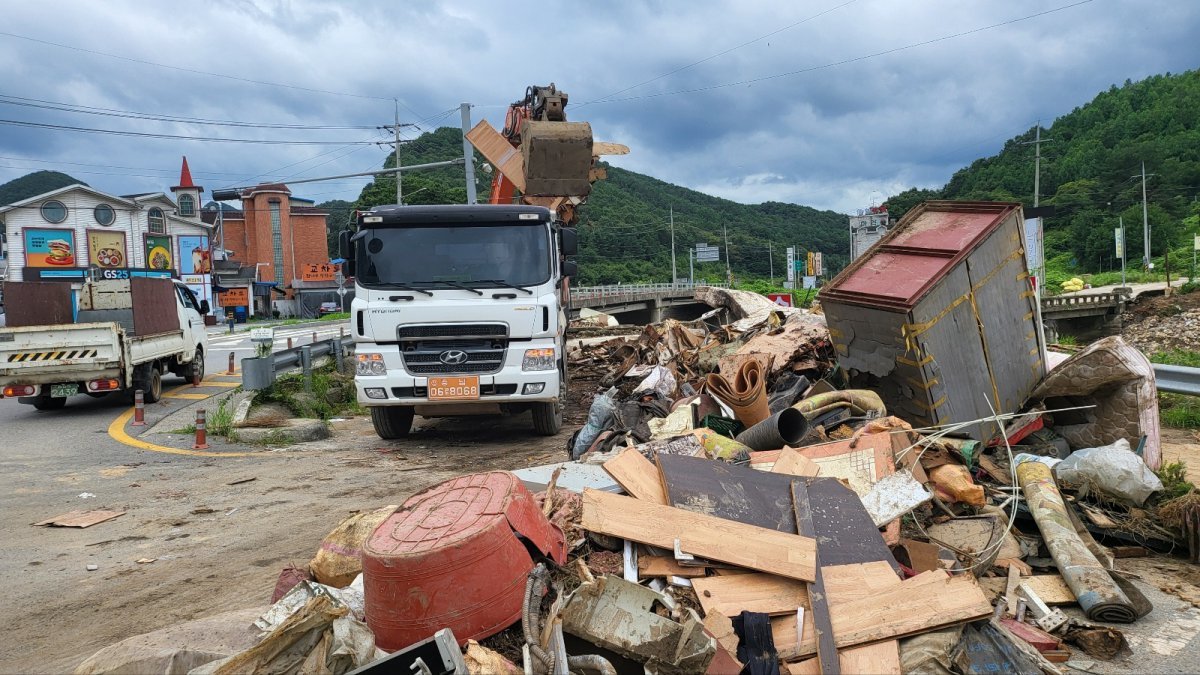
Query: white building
(60, 235)
(866, 228)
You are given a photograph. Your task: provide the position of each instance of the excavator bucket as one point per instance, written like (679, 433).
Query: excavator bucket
(558, 158)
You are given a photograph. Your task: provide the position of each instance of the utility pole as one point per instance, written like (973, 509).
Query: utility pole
(728, 267)
(1121, 222)
(1145, 218)
(691, 268)
(674, 276)
(771, 260)
(1037, 195)
(464, 110)
(399, 169)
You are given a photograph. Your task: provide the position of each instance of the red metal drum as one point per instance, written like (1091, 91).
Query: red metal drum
(454, 556)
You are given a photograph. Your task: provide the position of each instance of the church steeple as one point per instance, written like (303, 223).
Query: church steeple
(187, 193)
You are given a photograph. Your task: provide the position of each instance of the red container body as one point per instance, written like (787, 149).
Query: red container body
(453, 557)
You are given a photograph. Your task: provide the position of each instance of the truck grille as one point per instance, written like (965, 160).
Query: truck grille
(453, 349)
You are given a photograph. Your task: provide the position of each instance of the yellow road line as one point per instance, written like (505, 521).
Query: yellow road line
(190, 397)
(210, 383)
(116, 431)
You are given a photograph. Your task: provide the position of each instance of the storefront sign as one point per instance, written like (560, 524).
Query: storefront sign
(235, 297)
(106, 249)
(318, 272)
(194, 256)
(158, 253)
(49, 248)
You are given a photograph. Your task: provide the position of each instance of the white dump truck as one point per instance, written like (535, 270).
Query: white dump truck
(105, 336)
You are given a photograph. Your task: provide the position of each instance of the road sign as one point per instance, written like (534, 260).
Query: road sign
(791, 267)
(340, 278)
(1196, 244)
(341, 291)
(1120, 244)
(810, 282)
(262, 334)
(818, 270)
(706, 253)
(781, 299)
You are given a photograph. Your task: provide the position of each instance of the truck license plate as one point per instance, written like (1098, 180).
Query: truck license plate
(465, 388)
(63, 390)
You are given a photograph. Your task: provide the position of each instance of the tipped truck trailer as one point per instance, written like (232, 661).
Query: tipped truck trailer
(107, 336)
(459, 310)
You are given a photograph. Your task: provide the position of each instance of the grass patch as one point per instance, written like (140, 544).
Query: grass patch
(333, 394)
(1174, 480)
(1179, 411)
(335, 316)
(221, 423)
(1068, 340)
(1177, 357)
(189, 430)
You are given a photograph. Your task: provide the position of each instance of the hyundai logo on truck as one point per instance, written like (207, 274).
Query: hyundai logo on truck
(453, 357)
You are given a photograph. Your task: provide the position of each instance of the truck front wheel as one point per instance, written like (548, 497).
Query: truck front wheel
(547, 417)
(392, 422)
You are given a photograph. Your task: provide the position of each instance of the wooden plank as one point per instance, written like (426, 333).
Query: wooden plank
(791, 462)
(766, 593)
(844, 583)
(727, 541)
(881, 658)
(927, 601)
(81, 518)
(636, 475)
(497, 150)
(729, 491)
(650, 566)
(827, 655)
(1049, 587)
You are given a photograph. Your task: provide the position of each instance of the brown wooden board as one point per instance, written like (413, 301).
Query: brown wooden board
(827, 655)
(881, 658)
(661, 566)
(729, 491)
(728, 541)
(155, 306)
(37, 303)
(791, 462)
(499, 152)
(1049, 587)
(843, 583)
(81, 518)
(757, 592)
(636, 475)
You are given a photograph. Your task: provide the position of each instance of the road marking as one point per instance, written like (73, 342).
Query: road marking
(116, 431)
(210, 383)
(190, 397)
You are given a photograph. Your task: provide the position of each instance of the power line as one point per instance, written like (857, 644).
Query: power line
(843, 62)
(143, 134)
(198, 72)
(720, 54)
(8, 99)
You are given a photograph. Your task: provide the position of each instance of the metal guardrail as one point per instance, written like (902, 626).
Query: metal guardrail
(1083, 301)
(291, 358)
(1177, 379)
(624, 291)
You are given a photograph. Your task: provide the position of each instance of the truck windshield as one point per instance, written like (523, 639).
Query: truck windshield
(483, 256)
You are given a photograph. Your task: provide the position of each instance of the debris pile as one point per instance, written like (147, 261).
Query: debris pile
(742, 500)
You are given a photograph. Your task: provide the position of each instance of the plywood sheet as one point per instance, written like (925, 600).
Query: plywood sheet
(765, 593)
(497, 150)
(845, 530)
(1049, 587)
(729, 491)
(637, 476)
(37, 303)
(727, 541)
(155, 306)
(881, 658)
(81, 518)
(791, 462)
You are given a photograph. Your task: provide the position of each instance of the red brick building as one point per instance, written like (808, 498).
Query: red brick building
(276, 247)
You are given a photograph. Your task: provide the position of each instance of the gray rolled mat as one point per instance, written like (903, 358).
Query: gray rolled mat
(1098, 594)
(786, 427)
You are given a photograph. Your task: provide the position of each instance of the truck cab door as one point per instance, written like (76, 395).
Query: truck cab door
(190, 320)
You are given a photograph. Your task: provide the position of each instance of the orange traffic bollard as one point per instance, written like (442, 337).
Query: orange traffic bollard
(201, 431)
(289, 343)
(139, 409)
(314, 337)
(195, 377)
(230, 371)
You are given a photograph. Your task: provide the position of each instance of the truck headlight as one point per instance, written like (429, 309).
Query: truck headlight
(538, 359)
(369, 364)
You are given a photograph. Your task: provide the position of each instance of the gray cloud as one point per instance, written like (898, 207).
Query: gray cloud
(836, 137)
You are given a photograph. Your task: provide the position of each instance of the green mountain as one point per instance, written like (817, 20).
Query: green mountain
(1091, 175)
(33, 184)
(625, 232)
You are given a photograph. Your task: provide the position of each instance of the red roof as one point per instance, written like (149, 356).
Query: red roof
(185, 176)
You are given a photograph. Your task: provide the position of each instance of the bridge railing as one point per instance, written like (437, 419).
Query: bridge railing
(1082, 301)
(633, 291)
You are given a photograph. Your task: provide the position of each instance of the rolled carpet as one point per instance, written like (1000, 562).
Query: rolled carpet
(1098, 595)
(746, 394)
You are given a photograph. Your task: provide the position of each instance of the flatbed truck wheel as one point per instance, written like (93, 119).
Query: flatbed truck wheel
(392, 422)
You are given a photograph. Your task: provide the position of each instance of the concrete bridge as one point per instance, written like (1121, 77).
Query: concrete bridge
(639, 303)
(1094, 314)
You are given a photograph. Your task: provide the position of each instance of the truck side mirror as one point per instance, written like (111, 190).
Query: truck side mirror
(569, 239)
(570, 268)
(205, 308)
(345, 248)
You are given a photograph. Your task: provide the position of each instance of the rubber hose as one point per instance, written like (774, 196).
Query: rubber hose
(592, 662)
(535, 586)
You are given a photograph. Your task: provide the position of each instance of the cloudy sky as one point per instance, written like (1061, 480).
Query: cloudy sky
(829, 103)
